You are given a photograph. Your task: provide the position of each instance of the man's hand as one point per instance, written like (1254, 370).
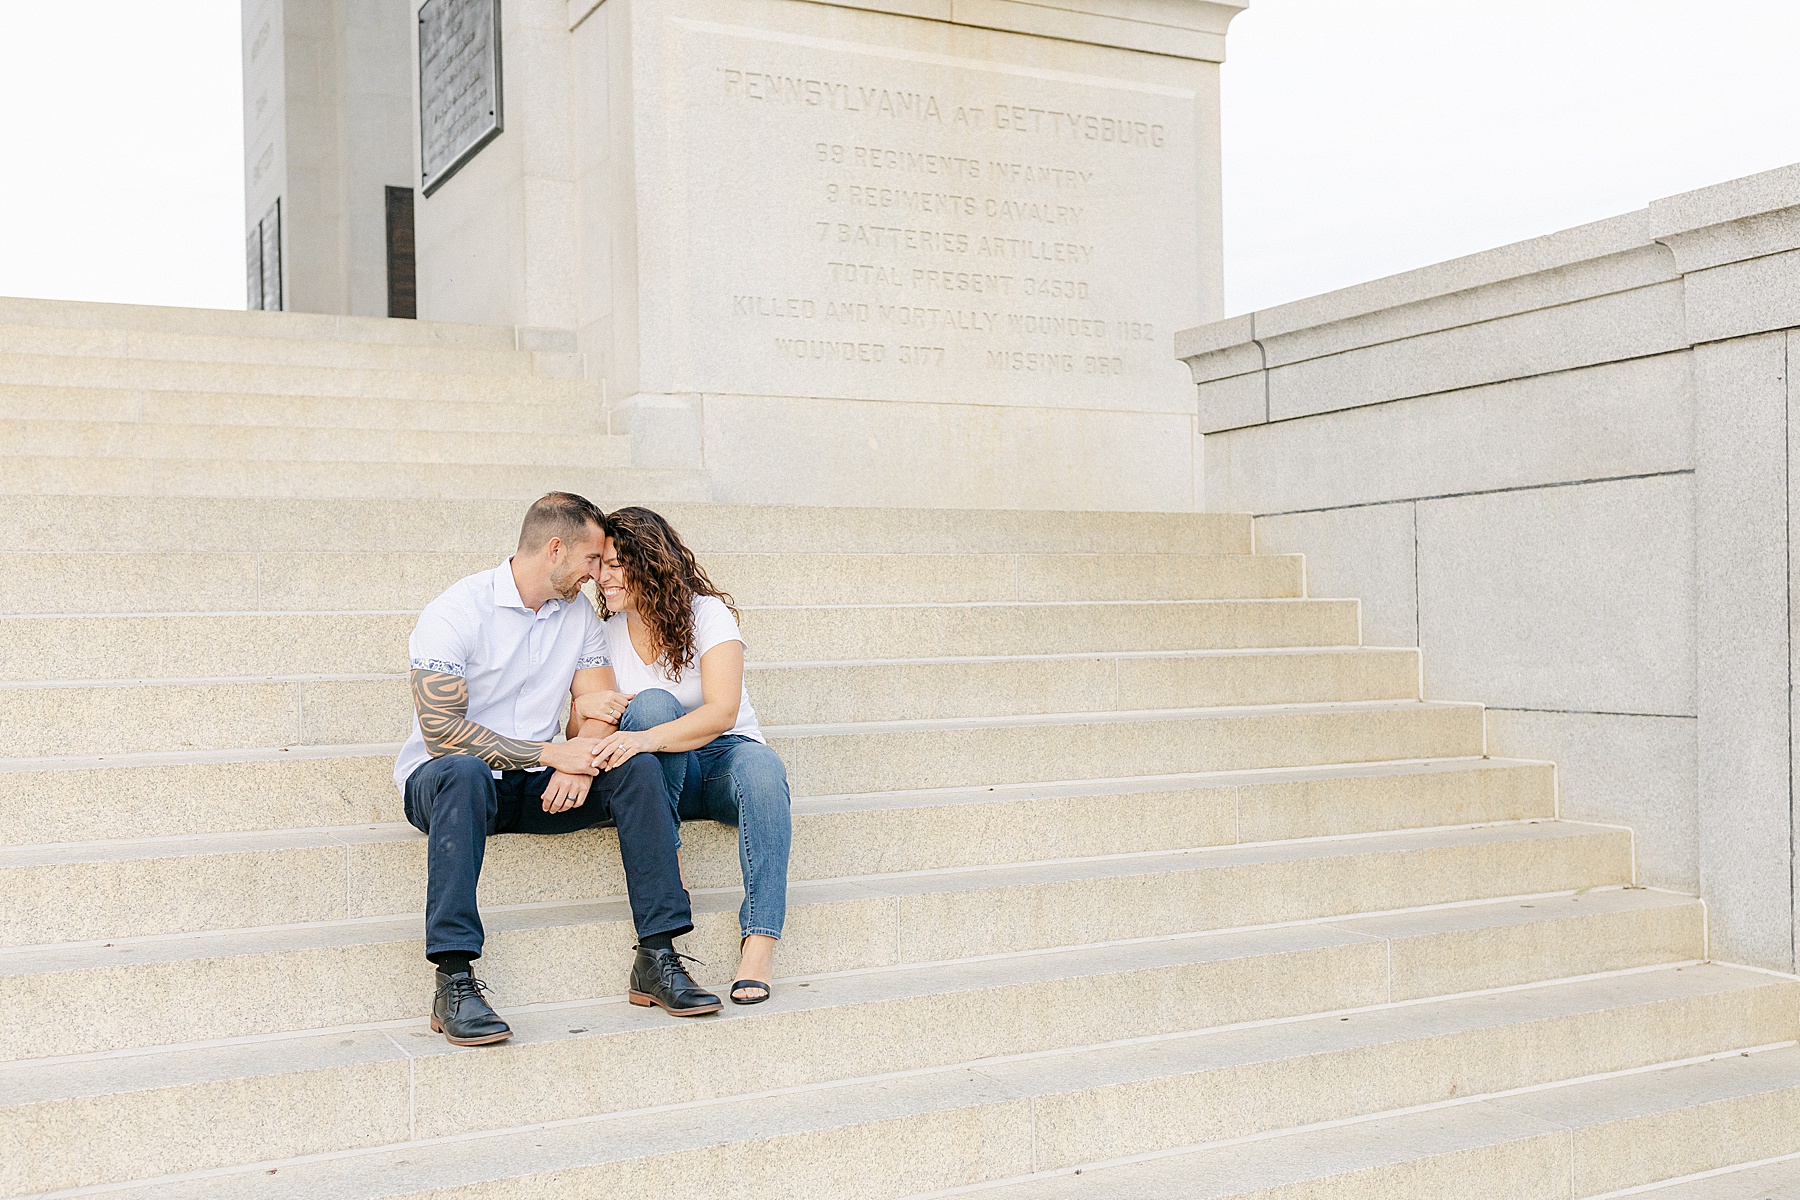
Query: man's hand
(615, 748)
(606, 707)
(566, 791)
(573, 757)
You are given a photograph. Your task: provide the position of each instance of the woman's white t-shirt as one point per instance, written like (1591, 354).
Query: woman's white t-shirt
(713, 624)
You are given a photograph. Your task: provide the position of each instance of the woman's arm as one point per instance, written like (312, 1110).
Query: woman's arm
(721, 693)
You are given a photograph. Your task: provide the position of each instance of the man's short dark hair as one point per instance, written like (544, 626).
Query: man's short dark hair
(558, 515)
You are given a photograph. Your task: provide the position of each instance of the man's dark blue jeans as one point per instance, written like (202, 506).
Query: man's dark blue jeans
(458, 803)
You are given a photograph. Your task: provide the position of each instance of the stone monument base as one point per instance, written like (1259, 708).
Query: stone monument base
(859, 254)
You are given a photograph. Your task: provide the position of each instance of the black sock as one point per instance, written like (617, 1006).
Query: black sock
(658, 941)
(453, 962)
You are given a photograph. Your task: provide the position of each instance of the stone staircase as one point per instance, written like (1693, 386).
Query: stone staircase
(1121, 868)
(102, 399)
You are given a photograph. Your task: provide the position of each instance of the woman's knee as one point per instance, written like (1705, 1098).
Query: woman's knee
(640, 780)
(650, 708)
(758, 775)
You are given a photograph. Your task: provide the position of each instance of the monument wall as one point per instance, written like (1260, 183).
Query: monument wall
(859, 253)
(852, 252)
(1566, 470)
(327, 127)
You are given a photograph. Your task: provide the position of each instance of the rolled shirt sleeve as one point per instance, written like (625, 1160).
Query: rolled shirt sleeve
(437, 644)
(596, 651)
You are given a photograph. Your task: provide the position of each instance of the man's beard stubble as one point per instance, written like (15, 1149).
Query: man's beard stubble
(566, 584)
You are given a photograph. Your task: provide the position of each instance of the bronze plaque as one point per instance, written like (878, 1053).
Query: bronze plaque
(459, 85)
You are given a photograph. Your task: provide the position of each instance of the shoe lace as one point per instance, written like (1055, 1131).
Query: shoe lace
(463, 987)
(671, 963)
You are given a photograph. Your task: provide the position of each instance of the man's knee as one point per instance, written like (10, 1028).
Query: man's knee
(459, 775)
(650, 708)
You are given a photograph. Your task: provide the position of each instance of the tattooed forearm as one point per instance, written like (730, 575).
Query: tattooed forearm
(442, 702)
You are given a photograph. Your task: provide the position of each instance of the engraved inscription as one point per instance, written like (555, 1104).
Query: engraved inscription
(935, 223)
(459, 84)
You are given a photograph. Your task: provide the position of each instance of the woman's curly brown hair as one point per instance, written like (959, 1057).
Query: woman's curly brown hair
(664, 578)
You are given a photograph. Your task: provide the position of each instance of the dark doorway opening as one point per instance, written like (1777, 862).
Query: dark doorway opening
(402, 277)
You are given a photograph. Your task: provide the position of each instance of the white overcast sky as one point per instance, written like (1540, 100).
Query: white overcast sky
(1366, 137)
(1362, 137)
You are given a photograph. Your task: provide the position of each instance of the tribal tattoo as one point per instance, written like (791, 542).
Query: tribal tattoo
(442, 702)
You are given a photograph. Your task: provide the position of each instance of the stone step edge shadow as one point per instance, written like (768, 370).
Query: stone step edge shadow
(1778, 1176)
(219, 984)
(79, 892)
(1631, 928)
(1273, 653)
(1276, 803)
(251, 523)
(1365, 730)
(56, 718)
(1644, 1131)
(35, 313)
(1056, 1108)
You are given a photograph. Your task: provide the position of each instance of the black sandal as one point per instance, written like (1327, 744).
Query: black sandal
(749, 983)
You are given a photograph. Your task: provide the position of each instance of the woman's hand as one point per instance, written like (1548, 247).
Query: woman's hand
(615, 748)
(566, 791)
(606, 707)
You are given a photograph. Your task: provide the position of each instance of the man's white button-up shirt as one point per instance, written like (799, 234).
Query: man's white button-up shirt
(518, 664)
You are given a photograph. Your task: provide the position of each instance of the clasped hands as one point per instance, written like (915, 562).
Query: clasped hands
(577, 761)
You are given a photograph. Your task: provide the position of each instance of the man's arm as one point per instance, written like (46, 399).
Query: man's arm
(442, 702)
(595, 707)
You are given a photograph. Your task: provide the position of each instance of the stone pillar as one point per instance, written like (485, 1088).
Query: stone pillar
(857, 256)
(860, 251)
(883, 252)
(327, 127)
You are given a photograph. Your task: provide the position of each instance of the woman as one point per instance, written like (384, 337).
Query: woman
(678, 659)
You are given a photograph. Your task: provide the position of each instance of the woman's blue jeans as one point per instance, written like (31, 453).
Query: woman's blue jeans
(739, 781)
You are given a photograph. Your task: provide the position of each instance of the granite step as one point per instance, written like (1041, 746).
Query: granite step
(864, 756)
(43, 583)
(966, 752)
(815, 633)
(459, 525)
(1586, 1139)
(551, 377)
(574, 446)
(303, 641)
(166, 884)
(96, 343)
(240, 410)
(270, 979)
(900, 1134)
(1755, 1180)
(287, 326)
(200, 477)
(137, 716)
(41, 801)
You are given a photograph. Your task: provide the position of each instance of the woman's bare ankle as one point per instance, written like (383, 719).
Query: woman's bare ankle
(756, 960)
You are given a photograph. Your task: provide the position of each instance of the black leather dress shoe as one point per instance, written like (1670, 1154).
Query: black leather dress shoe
(462, 1014)
(657, 977)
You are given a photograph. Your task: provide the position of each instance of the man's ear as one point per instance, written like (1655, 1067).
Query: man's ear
(553, 547)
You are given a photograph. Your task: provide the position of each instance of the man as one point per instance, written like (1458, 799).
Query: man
(493, 659)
